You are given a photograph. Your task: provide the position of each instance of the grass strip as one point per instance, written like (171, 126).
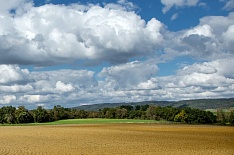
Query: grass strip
(90, 121)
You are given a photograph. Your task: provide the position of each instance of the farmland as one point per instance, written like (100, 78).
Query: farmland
(117, 138)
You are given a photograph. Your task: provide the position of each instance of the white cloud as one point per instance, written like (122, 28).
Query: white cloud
(7, 99)
(130, 74)
(7, 7)
(207, 41)
(16, 88)
(229, 5)
(54, 34)
(201, 80)
(112, 35)
(229, 39)
(50, 79)
(34, 98)
(219, 67)
(133, 81)
(10, 74)
(205, 68)
(58, 34)
(218, 27)
(204, 30)
(215, 74)
(168, 4)
(147, 85)
(62, 87)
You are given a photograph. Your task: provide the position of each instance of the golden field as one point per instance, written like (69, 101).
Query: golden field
(141, 138)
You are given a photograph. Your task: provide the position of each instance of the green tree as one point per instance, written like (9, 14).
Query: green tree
(231, 118)
(211, 118)
(1, 115)
(108, 113)
(168, 113)
(40, 115)
(121, 113)
(137, 107)
(23, 115)
(83, 114)
(93, 114)
(127, 107)
(144, 107)
(151, 113)
(58, 113)
(137, 114)
(181, 117)
(221, 117)
(8, 114)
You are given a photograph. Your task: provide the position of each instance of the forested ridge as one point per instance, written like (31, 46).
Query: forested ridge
(203, 104)
(12, 115)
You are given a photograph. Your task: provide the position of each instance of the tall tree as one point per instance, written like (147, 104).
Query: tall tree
(151, 112)
(181, 117)
(59, 112)
(23, 115)
(8, 114)
(40, 115)
(121, 113)
(221, 117)
(231, 118)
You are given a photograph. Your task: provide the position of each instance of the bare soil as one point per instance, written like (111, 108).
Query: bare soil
(107, 139)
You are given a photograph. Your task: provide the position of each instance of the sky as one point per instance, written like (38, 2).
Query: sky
(71, 53)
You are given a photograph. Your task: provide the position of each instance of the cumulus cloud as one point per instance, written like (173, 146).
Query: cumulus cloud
(168, 4)
(54, 34)
(147, 85)
(60, 78)
(200, 80)
(229, 39)
(133, 81)
(16, 88)
(128, 47)
(9, 7)
(46, 87)
(203, 30)
(211, 75)
(130, 74)
(218, 33)
(32, 98)
(62, 87)
(208, 41)
(58, 34)
(218, 27)
(7, 99)
(10, 74)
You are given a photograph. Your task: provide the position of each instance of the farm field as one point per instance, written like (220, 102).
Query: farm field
(116, 138)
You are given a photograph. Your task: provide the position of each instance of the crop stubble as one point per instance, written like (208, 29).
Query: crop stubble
(117, 139)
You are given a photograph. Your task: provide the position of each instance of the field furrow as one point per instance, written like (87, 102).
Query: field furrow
(106, 139)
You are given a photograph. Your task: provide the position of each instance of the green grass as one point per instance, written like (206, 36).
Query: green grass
(90, 121)
(95, 121)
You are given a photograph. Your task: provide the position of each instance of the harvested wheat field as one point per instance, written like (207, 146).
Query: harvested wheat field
(116, 139)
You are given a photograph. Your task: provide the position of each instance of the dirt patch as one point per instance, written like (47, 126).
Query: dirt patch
(116, 139)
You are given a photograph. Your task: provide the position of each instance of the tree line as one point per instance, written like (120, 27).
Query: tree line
(12, 115)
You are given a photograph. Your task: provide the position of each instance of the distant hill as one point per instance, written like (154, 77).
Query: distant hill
(223, 103)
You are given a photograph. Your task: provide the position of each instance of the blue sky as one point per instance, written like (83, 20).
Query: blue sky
(85, 52)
